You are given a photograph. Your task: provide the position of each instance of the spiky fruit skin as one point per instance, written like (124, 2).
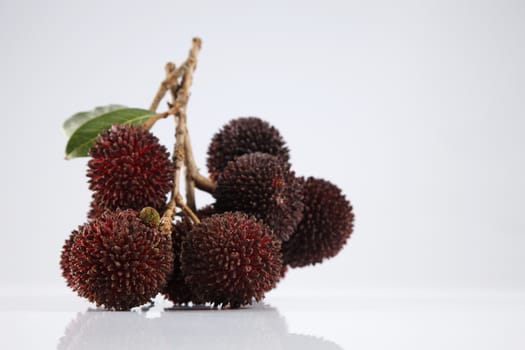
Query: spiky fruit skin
(284, 270)
(119, 262)
(326, 226)
(94, 210)
(177, 290)
(241, 136)
(64, 258)
(129, 169)
(261, 185)
(231, 259)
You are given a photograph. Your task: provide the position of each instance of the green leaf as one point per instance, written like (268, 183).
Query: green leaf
(76, 120)
(84, 137)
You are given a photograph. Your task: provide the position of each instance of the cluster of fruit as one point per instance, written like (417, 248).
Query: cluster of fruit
(264, 220)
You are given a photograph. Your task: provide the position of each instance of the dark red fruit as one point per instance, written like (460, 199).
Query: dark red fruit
(177, 290)
(117, 261)
(95, 210)
(326, 226)
(231, 259)
(64, 258)
(129, 169)
(284, 270)
(260, 184)
(241, 136)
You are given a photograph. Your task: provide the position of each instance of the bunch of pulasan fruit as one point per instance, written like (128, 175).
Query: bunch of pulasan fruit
(135, 244)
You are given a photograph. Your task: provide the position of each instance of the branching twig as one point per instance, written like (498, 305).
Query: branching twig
(178, 109)
(170, 69)
(172, 74)
(187, 210)
(165, 221)
(153, 119)
(161, 92)
(193, 177)
(178, 160)
(190, 187)
(202, 182)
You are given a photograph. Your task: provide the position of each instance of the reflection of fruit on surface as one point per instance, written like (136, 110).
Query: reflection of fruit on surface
(257, 327)
(97, 329)
(309, 342)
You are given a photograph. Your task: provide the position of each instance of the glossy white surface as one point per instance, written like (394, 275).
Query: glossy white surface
(322, 323)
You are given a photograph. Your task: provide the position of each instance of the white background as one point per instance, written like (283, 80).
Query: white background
(416, 109)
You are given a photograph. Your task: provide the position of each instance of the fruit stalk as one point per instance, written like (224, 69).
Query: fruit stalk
(178, 110)
(169, 83)
(202, 182)
(190, 184)
(153, 119)
(170, 68)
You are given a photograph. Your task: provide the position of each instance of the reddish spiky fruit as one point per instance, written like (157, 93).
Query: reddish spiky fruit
(129, 169)
(241, 136)
(94, 210)
(326, 226)
(284, 270)
(64, 258)
(260, 184)
(118, 261)
(231, 258)
(177, 290)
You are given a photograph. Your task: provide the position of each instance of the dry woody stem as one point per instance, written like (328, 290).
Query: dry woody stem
(190, 184)
(182, 152)
(170, 83)
(201, 181)
(170, 68)
(153, 119)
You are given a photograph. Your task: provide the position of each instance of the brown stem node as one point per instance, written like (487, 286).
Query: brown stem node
(153, 119)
